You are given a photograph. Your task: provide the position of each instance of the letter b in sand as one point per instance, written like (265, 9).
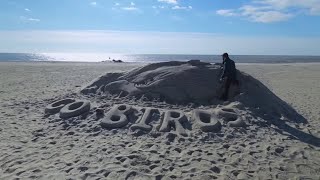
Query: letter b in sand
(116, 117)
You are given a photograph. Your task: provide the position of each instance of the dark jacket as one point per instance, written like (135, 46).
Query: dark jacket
(229, 70)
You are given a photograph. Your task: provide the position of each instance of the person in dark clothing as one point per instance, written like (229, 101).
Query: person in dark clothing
(229, 74)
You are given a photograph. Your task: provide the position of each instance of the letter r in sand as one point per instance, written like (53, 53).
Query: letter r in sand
(175, 120)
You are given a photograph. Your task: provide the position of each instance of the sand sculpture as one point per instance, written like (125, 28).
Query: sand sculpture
(190, 82)
(178, 83)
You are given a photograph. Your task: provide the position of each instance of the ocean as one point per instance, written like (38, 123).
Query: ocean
(99, 57)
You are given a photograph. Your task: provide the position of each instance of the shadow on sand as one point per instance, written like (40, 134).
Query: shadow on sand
(275, 111)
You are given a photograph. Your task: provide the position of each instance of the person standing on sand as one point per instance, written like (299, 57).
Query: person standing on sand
(229, 75)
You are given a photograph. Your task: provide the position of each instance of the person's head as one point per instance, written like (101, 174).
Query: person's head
(225, 56)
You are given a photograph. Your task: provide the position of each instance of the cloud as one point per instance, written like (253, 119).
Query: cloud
(182, 7)
(312, 6)
(130, 8)
(269, 16)
(226, 12)
(268, 11)
(93, 4)
(169, 1)
(117, 4)
(158, 7)
(32, 19)
(28, 19)
(264, 14)
(26, 9)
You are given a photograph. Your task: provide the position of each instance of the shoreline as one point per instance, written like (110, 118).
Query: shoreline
(148, 62)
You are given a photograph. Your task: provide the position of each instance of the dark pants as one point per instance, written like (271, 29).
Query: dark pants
(226, 88)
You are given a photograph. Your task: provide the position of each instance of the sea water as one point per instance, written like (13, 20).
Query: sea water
(100, 57)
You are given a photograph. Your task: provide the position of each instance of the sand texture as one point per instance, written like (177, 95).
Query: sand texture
(262, 134)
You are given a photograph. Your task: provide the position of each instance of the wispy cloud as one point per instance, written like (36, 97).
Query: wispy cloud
(169, 1)
(267, 11)
(93, 3)
(33, 19)
(29, 19)
(158, 7)
(26, 9)
(131, 7)
(264, 14)
(311, 6)
(174, 5)
(182, 7)
(226, 12)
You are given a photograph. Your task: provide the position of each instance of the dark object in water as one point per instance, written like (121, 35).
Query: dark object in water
(117, 61)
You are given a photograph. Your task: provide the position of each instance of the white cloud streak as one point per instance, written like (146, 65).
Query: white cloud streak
(26, 9)
(158, 7)
(93, 3)
(312, 6)
(263, 14)
(132, 7)
(182, 7)
(226, 12)
(267, 11)
(129, 8)
(28, 19)
(169, 1)
(33, 19)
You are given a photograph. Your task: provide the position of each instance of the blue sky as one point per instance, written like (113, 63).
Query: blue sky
(161, 26)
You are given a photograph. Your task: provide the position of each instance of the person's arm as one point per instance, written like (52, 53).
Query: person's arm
(224, 70)
(222, 64)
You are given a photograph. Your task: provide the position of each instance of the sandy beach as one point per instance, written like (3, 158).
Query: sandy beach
(36, 146)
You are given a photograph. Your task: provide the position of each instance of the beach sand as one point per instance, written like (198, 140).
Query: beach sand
(35, 146)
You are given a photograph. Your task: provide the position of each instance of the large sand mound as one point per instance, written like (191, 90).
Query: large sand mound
(190, 82)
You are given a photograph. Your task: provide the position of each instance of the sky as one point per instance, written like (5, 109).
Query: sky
(251, 27)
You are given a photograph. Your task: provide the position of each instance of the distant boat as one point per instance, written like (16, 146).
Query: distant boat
(113, 60)
(117, 61)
